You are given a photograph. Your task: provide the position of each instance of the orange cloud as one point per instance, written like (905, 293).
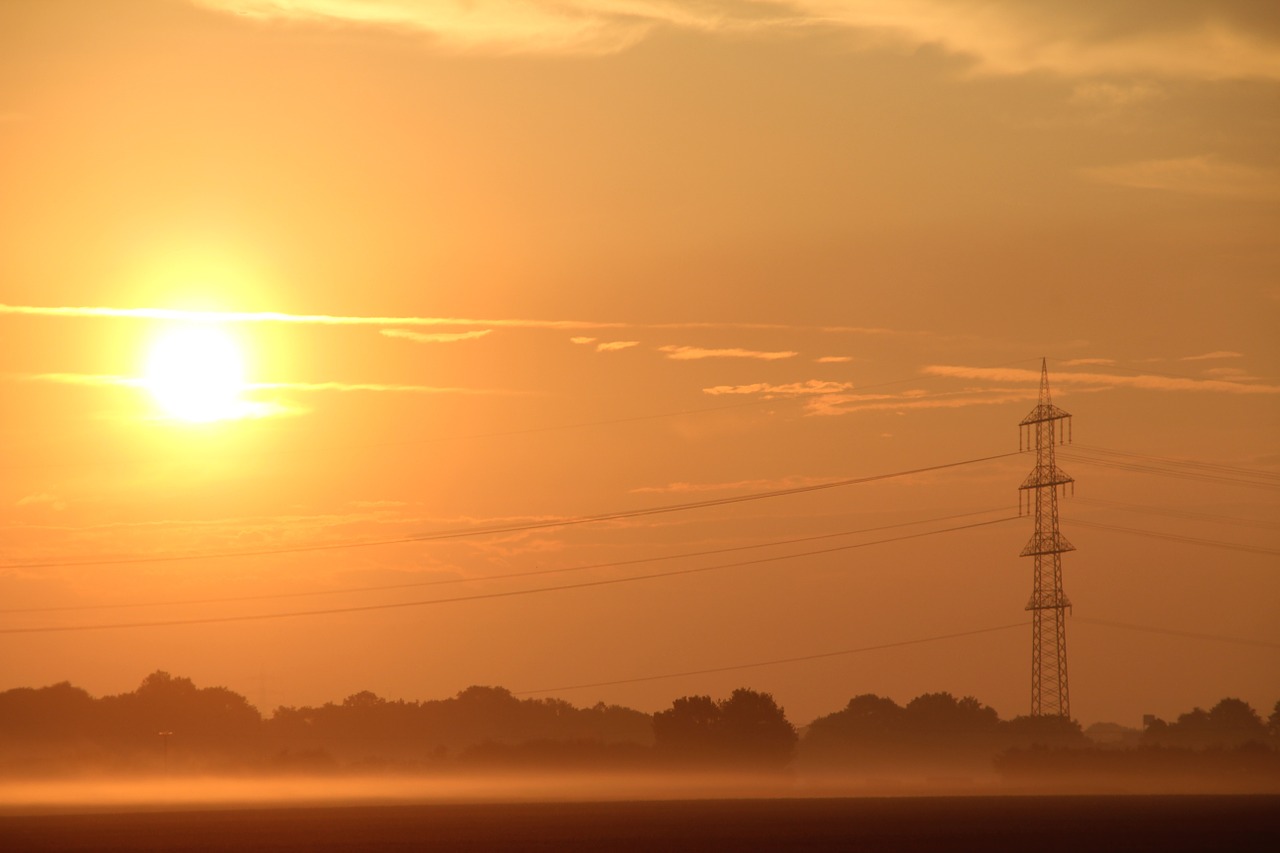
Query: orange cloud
(790, 389)
(1213, 41)
(844, 404)
(1180, 40)
(1210, 356)
(683, 353)
(437, 337)
(1101, 380)
(107, 379)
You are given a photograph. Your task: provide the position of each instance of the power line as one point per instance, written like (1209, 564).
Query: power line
(505, 576)
(1185, 463)
(210, 620)
(1180, 513)
(1173, 537)
(921, 641)
(1146, 629)
(513, 528)
(775, 661)
(1177, 468)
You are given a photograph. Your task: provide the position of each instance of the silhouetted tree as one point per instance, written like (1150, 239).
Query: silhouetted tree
(1231, 722)
(756, 730)
(688, 729)
(208, 721)
(1234, 722)
(747, 729)
(943, 714)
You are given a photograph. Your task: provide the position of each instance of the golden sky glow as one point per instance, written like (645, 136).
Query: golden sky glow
(377, 303)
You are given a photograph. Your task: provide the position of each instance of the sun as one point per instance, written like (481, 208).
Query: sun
(196, 374)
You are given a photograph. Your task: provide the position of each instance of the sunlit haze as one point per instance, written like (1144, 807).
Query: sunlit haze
(626, 352)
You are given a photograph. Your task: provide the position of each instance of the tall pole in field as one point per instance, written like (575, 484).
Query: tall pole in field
(1043, 429)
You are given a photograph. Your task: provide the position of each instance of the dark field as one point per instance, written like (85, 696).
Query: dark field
(1082, 823)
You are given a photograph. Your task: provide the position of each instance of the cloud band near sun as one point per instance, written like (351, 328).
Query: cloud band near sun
(394, 326)
(106, 379)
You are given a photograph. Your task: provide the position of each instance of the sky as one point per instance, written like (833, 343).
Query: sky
(478, 273)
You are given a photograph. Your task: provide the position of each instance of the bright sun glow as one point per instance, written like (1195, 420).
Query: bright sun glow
(196, 374)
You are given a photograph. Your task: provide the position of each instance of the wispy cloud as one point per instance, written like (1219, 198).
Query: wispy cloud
(581, 340)
(1201, 175)
(1177, 40)
(42, 499)
(372, 386)
(1082, 362)
(844, 404)
(834, 359)
(614, 346)
(186, 316)
(1100, 380)
(1213, 356)
(683, 353)
(436, 337)
(1234, 374)
(790, 389)
(1180, 40)
(390, 323)
(1111, 96)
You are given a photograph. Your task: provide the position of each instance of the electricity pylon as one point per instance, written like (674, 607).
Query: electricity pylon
(1048, 604)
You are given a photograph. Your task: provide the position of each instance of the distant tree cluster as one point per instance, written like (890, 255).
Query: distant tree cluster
(480, 725)
(169, 723)
(874, 732)
(1229, 747)
(1232, 722)
(63, 726)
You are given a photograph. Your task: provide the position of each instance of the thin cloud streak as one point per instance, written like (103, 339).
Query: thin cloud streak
(437, 337)
(180, 315)
(684, 353)
(188, 316)
(491, 26)
(615, 346)
(1211, 356)
(790, 389)
(916, 398)
(376, 387)
(1103, 380)
(107, 379)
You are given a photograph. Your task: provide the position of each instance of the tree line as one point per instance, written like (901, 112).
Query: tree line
(168, 723)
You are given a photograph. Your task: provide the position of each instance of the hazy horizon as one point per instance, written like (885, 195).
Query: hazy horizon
(620, 352)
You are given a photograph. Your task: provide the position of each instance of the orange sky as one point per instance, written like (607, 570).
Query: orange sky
(505, 263)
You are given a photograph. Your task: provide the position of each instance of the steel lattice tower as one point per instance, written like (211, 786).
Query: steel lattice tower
(1048, 604)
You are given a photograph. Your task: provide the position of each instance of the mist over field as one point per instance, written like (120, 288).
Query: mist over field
(639, 425)
(171, 744)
